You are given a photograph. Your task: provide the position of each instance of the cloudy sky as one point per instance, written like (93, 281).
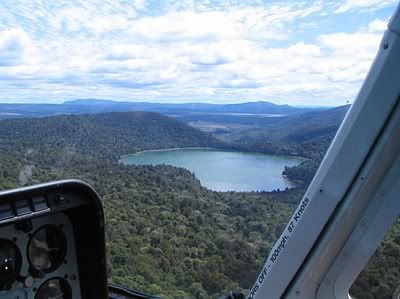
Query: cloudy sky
(221, 51)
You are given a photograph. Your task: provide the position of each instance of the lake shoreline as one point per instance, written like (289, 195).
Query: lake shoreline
(207, 148)
(169, 149)
(223, 170)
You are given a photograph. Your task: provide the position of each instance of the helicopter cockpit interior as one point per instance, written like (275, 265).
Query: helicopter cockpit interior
(52, 239)
(52, 243)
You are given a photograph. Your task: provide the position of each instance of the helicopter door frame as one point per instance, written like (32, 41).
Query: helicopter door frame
(299, 261)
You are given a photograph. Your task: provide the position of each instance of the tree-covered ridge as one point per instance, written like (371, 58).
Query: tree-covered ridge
(168, 235)
(306, 135)
(105, 135)
(181, 240)
(165, 233)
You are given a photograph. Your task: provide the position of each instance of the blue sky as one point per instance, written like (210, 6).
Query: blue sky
(292, 52)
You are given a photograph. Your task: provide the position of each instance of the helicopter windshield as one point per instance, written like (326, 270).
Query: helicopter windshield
(199, 123)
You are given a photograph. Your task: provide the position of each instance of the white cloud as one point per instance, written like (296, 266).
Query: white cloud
(377, 26)
(139, 4)
(363, 4)
(357, 45)
(350, 55)
(15, 47)
(255, 23)
(199, 53)
(183, 26)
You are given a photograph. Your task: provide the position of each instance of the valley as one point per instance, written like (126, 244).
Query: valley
(166, 234)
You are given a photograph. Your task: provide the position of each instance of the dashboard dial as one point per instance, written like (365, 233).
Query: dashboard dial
(47, 248)
(54, 288)
(10, 263)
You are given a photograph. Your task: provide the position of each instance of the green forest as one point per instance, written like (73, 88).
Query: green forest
(165, 233)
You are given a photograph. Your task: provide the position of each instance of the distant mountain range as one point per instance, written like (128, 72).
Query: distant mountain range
(89, 106)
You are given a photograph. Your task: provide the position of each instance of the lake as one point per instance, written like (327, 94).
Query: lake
(223, 170)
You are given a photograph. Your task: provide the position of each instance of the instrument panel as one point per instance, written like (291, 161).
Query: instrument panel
(52, 242)
(38, 259)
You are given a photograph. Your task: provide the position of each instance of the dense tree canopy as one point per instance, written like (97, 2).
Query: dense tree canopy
(165, 233)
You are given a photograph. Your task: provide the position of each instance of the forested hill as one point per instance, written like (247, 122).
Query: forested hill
(105, 135)
(293, 128)
(165, 233)
(307, 135)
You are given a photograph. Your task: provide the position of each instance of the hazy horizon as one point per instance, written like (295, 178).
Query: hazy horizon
(166, 103)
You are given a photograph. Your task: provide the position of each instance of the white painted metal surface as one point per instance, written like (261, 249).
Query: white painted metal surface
(343, 199)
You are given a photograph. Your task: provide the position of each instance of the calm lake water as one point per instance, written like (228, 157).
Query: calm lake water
(223, 170)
